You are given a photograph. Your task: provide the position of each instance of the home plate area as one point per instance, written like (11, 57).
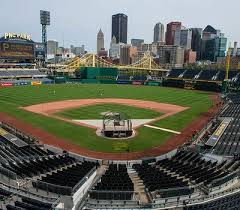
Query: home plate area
(98, 124)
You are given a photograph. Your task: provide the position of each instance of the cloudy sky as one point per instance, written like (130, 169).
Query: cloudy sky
(78, 21)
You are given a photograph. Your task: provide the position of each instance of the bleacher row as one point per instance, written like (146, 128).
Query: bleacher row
(229, 142)
(6, 73)
(206, 75)
(141, 78)
(18, 202)
(231, 202)
(57, 170)
(181, 171)
(29, 204)
(115, 184)
(29, 161)
(63, 181)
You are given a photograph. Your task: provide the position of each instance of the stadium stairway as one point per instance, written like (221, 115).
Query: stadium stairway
(100, 171)
(139, 187)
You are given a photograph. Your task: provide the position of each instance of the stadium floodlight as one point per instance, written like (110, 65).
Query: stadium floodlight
(45, 21)
(45, 17)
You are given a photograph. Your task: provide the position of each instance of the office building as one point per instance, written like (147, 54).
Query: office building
(119, 27)
(114, 50)
(214, 44)
(235, 49)
(158, 35)
(208, 43)
(133, 54)
(171, 56)
(77, 50)
(186, 38)
(173, 33)
(100, 41)
(196, 41)
(125, 54)
(137, 43)
(220, 48)
(190, 56)
(52, 47)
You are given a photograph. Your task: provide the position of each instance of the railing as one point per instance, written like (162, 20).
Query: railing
(8, 173)
(80, 183)
(225, 179)
(17, 132)
(26, 193)
(60, 190)
(181, 201)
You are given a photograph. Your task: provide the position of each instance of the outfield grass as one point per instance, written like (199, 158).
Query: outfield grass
(95, 112)
(13, 98)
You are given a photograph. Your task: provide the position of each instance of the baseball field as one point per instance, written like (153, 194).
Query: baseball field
(14, 100)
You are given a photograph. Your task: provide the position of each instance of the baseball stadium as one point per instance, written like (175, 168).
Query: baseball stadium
(88, 134)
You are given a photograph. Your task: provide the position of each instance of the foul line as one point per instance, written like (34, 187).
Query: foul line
(162, 129)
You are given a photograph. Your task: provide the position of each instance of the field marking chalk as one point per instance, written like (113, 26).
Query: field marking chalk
(162, 129)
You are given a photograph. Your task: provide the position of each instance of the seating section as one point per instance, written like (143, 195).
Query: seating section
(174, 176)
(231, 202)
(191, 166)
(21, 202)
(191, 74)
(207, 75)
(29, 161)
(21, 73)
(229, 142)
(4, 194)
(139, 78)
(65, 178)
(175, 73)
(156, 179)
(123, 78)
(115, 184)
(201, 75)
(29, 204)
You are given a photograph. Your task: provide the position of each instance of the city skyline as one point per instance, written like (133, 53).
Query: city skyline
(71, 27)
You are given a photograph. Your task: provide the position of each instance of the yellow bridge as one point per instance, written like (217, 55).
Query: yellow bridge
(92, 60)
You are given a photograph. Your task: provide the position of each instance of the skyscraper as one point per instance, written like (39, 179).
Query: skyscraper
(173, 33)
(52, 47)
(137, 43)
(119, 27)
(125, 54)
(197, 41)
(158, 35)
(100, 41)
(214, 44)
(186, 38)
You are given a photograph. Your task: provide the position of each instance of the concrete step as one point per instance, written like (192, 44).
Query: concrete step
(139, 187)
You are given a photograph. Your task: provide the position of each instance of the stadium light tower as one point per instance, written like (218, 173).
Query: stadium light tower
(45, 21)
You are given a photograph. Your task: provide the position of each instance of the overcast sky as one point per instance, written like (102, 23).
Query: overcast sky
(78, 21)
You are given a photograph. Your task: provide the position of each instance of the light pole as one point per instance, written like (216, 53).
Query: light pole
(45, 21)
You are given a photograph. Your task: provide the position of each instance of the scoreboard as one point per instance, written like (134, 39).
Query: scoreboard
(16, 50)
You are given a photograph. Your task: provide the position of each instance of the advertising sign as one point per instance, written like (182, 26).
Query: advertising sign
(35, 83)
(6, 84)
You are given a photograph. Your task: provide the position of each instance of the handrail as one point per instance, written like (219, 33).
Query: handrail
(25, 193)
(74, 189)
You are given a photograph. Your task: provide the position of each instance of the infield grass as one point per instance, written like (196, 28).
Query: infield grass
(13, 98)
(97, 112)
